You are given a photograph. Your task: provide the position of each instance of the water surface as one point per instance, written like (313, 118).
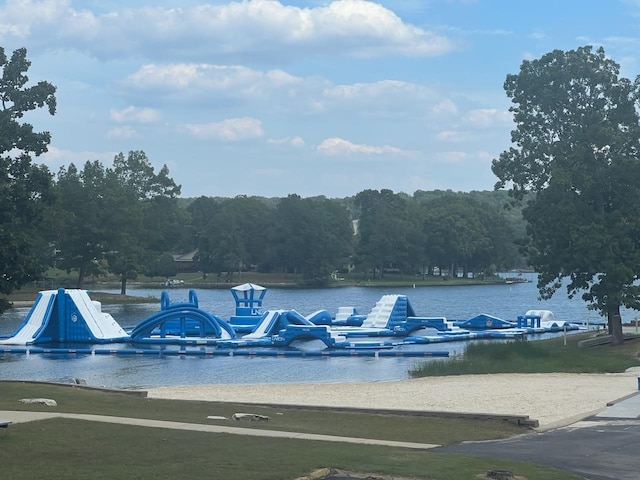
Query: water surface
(453, 302)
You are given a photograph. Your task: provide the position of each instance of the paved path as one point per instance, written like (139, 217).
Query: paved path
(604, 446)
(21, 416)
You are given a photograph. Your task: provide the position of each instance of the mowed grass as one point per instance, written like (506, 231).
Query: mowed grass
(397, 427)
(539, 356)
(74, 449)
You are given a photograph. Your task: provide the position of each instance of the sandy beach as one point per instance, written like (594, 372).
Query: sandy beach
(554, 399)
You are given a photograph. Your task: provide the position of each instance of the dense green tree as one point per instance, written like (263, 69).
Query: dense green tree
(232, 233)
(291, 222)
(150, 226)
(162, 266)
(93, 213)
(576, 146)
(456, 236)
(137, 174)
(328, 240)
(25, 188)
(127, 215)
(201, 211)
(166, 225)
(310, 237)
(385, 229)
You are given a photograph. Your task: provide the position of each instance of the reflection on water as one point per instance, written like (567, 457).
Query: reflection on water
(452, 302)
(141, 372)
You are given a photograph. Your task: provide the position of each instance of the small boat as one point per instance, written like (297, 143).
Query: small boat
(518, 279)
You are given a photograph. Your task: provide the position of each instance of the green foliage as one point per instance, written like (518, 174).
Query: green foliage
(163, 266)
(451, 231)
(16, 99)
(85, 210)
(148, 222)
(25, 188)
(229, 233)
(576, 147)
(125, 215)
(461, 232)
(312, 237)
(540, 356)
(385, 229)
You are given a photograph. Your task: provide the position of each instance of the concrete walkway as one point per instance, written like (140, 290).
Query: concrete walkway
(603, 446)
(22, 416)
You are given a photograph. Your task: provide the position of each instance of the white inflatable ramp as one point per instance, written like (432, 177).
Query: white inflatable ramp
(101, 326)
(35, 321)
(380, 314)
(60, 316)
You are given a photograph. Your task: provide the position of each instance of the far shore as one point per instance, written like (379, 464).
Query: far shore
(23, 299)
(27, 295)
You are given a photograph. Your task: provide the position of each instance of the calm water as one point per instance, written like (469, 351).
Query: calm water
(452, 302)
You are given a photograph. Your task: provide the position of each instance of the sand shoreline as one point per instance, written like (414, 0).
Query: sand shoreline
(552, 399)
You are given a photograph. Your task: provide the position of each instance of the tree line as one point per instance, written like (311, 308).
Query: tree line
(128, 220)
(372, 232)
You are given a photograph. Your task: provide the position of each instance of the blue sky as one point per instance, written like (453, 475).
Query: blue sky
(265, 97)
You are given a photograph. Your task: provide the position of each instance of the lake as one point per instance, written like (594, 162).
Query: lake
(505, 301)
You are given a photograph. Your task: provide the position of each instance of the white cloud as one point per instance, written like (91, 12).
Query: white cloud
(231, 129)
(538, 35)
(485, 156)
(278, 91)
(488, 117)
(292, 141)
(377, 89)
(57, 157)
(453, 157)
(339, 146)
(450, 136)
(122, 132)
(134, 114)
(252, 29)
(207, 77)
(384, 98)
(445, 106)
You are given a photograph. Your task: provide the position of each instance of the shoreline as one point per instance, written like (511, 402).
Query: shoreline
(554, 399)
(18, 297)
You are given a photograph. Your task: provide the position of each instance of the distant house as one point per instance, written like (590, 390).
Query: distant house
(346, 265)
(186, 262)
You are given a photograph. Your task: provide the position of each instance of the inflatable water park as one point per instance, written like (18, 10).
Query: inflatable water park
(69, 321)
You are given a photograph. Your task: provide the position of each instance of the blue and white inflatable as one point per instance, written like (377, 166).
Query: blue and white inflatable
(60, 316)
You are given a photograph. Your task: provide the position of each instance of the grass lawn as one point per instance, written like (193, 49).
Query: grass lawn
(410, 428)
(74, 449)
(29, 295)
(539, 356)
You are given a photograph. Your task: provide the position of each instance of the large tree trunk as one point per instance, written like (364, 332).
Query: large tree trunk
(615, 325)
(123, 285)
(81, 275)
